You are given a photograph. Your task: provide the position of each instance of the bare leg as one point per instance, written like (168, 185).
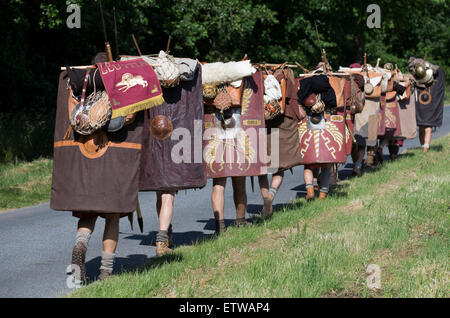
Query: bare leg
(111, 234)
(164, 209)
(422, 135)
(427, 137)
(218, 202)
(277, 179)
(268, 195)
(240, 198)
(308, 176)
(110, 238)
(264, 185)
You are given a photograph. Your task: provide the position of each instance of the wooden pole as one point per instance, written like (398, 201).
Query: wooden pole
(303, 68)
(168, 44)
(136, 45)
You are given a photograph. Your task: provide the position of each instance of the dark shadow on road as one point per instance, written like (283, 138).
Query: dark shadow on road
(255, 209)
(179, 238)
(131, 263)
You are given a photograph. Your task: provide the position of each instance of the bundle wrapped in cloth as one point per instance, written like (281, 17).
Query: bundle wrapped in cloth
(272, 94)
(222, 82)
(167, 71)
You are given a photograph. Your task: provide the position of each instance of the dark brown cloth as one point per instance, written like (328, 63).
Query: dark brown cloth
(106, 183)
(318, 84)
(292, 109)
(184, 108)
(359, 80)
(433, 113)
(288, 143)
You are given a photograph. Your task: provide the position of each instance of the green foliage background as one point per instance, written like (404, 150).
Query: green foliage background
(35, 42)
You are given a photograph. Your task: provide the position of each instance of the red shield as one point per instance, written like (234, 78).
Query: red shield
(324, 145)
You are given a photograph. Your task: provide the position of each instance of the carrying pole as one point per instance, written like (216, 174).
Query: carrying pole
(303, 68)
(107, 46)
(136, 45)
(115, 34)
(168, 44)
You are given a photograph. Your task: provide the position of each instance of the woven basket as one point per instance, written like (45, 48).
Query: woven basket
(210, 91)
(170, 83)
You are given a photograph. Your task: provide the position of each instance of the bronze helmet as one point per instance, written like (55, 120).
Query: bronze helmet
(388, 66)
(420, 71)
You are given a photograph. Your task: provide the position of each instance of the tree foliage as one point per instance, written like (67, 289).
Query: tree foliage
(36, 41)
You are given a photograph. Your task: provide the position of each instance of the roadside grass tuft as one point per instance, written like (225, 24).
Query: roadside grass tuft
(25, 184)
(396, 218)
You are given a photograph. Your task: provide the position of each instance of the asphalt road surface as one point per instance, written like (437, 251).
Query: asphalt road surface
(37, 242)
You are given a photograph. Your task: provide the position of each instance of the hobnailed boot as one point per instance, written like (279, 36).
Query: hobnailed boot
(104, 274)
(241, 222)
(267, 210)
(357, 171)
(309, 194)
(393, 152)
(379, 156)
(370, 160)
(220, 227)
(162, 248)
(78, 259)
(322, 195)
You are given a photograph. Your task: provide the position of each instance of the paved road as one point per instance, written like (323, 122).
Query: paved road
(37, 242)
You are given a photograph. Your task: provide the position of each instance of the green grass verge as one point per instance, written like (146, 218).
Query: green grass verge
(25, 184)
(396, 218)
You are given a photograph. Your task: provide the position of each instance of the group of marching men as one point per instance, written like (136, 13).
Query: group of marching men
(114, 124)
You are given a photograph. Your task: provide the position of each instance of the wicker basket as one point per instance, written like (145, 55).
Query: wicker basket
(210, 91)
(170, 82)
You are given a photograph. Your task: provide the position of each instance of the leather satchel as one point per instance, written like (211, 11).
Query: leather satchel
(235, 94)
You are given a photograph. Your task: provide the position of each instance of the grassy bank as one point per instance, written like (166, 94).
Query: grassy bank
(396, 218)
(25, 184)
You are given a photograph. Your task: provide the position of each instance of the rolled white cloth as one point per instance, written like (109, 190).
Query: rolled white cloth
(272, 89)
(220, 73)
